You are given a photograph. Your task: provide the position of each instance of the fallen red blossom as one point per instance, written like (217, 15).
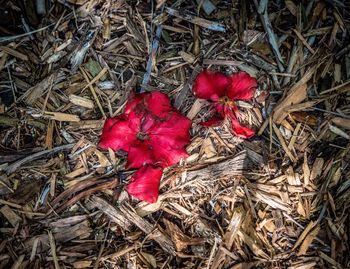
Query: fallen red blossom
(153, 133)
(223, 91)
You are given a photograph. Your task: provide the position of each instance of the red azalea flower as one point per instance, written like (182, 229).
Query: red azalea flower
(145, 183)
(150, 130)
(223, 91)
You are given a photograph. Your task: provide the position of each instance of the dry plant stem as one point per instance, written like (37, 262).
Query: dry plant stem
(262, 10)
(17, 165)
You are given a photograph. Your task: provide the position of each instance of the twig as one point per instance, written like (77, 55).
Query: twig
(262, 10)
(11, 38)
(214, 26)
(53, 250)
(152, 55)
(13, 167)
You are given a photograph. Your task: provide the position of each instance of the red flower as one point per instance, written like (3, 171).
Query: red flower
(223, 91)
(150, 130)
(145, 183)
(154, 134)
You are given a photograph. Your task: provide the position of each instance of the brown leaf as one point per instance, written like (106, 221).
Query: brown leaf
(295, 95)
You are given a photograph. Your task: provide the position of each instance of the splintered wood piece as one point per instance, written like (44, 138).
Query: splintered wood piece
(82, 264)
(63, 234)
(305, 232)
(196, 107)
(234, 225)
(81, 101)
(283, 143)
(87, 124)
(255, 248)
(10, 215)
(342, 122)
(17, 264)
(208, 148)
(295, 95)
(35, 92)
(316, 169)
(59, 116)
(308, 240)
(306, 170)
(230, 167)
(214, 26)
(156, 234)
(53, 249)
(14, 53)
(272, 201)
(112, 212)
(92, 90)
(76, 173)
(180, 240)
(81, 190)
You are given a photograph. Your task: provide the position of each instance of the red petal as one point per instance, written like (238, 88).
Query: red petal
(240, 130)
(210, 85)
(139, 155)
(145, 183)
(134, 100)
(154, 102)
(173, 132)
(169, 138)
(165, 154)
(117, 134)
(166, 144)
(221, 109)
(242, 86)
(158, 103)
(213, 122)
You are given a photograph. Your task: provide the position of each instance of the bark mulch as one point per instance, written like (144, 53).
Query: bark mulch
(278, 200)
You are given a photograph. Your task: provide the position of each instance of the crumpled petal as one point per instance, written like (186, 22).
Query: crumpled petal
(168, 139)
(139, 155)
(210, 85)
(158, 103)
(134, 100)
(240, 130)
(221, 109)
(145, 183)
(155, 102)
(215, 121)
(173, 132)
(165, 154)
(117, 134)
(242, 86)
(135, 119)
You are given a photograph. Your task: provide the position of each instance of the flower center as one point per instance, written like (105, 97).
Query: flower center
(142, 136)
(225, 100)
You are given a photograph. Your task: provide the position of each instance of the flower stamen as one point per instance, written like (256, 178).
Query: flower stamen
(142, 136)
(225, 100)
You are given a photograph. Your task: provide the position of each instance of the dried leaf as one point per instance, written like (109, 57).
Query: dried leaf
(150, 259)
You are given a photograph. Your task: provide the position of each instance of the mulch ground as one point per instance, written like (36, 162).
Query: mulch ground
(278, 200)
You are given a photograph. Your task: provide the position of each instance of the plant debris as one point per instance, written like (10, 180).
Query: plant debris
(279, 199)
